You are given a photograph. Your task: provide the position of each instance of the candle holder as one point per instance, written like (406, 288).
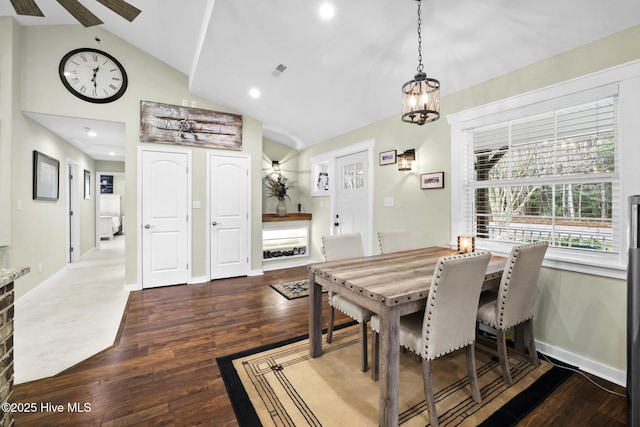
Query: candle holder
(466, 244)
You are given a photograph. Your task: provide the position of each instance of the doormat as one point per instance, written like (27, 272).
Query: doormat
(293, 290)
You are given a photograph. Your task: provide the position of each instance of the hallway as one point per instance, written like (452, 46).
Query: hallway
(72, 316)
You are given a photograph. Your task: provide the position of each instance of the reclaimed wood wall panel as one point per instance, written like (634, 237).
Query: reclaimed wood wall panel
(174, 124)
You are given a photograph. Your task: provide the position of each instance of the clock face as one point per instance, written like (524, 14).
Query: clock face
(93, 75)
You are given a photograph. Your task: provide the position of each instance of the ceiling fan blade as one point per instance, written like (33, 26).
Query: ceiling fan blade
(26, 7)
(81, 13)
(122, 8)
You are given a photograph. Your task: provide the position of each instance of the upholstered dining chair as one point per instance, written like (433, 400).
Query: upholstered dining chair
(338, 247)
(447, 324)
(394, 241)
(514, 301)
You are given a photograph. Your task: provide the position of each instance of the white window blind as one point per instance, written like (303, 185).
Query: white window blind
(549, 176)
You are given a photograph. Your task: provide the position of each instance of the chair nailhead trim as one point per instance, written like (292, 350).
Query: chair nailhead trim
(434, 290)
(504, 289)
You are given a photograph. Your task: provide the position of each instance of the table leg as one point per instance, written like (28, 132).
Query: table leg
(389, 367)
(315, 317)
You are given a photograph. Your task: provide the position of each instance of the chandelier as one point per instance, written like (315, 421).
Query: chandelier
(420, 96)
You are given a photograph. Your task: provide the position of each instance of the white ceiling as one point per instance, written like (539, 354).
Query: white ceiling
(107, 144)
(344, 73)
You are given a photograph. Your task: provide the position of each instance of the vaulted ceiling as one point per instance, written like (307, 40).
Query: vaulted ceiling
(345, 72)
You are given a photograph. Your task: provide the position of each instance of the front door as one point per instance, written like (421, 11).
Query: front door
(165, 209)
(229, 212)
(351, 213)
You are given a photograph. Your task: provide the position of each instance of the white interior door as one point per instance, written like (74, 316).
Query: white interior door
(351, 213)
(165, 209)
(73, 212)
(229, 213)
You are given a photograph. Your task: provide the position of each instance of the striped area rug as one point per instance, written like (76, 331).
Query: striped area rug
(281, 385)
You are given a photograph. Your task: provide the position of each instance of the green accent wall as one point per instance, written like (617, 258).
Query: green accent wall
(579, 314)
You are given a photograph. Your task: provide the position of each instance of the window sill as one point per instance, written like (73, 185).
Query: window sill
(586, 262)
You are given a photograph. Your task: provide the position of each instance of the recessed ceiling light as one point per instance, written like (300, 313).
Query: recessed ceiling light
(111, 153)
(327, 11)
(90, 132)
(254, 92)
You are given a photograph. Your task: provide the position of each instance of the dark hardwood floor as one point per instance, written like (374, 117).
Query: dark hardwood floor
(163, 372)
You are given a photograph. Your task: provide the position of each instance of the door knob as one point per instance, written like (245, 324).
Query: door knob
(147, 226)
(337, 224)
(214, 223)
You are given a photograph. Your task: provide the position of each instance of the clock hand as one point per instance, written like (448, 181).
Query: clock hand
(95, 73)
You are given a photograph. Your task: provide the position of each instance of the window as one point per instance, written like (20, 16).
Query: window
(556, 165)
(550, 176)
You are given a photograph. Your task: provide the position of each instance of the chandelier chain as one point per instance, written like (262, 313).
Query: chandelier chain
(420, 66)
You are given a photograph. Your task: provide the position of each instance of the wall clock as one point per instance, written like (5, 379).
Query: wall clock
(93, 75)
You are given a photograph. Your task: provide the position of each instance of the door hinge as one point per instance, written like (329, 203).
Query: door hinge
(71, 249)
(70, 213)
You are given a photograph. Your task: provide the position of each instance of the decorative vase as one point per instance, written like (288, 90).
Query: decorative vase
(281, 208)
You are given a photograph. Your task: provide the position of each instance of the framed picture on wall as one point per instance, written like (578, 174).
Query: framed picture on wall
(106, 184)
(87, 185)
(432, 180)
(388, 157)
(46, 172)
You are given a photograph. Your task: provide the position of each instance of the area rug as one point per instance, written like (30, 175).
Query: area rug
(280, 384)
(293, 290)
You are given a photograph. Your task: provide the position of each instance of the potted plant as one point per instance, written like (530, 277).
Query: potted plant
(277, 187)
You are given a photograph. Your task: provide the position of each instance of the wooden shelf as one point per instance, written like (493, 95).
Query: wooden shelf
(288, 217)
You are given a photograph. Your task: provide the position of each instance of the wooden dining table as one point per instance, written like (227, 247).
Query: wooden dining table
(391, 285)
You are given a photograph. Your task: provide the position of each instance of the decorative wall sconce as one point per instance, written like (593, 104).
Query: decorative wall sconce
(275, 165)
(406, 159)
(466, 244)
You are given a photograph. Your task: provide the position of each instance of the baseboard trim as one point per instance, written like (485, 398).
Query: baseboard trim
(605, 372)
(49, 281)
(132, 287)
(195, 280)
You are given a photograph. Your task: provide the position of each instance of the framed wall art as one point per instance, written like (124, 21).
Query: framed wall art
(106, 184)
(46, 173)
(432, 180)
(388, 157)
(173, 124)
(87, 185)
